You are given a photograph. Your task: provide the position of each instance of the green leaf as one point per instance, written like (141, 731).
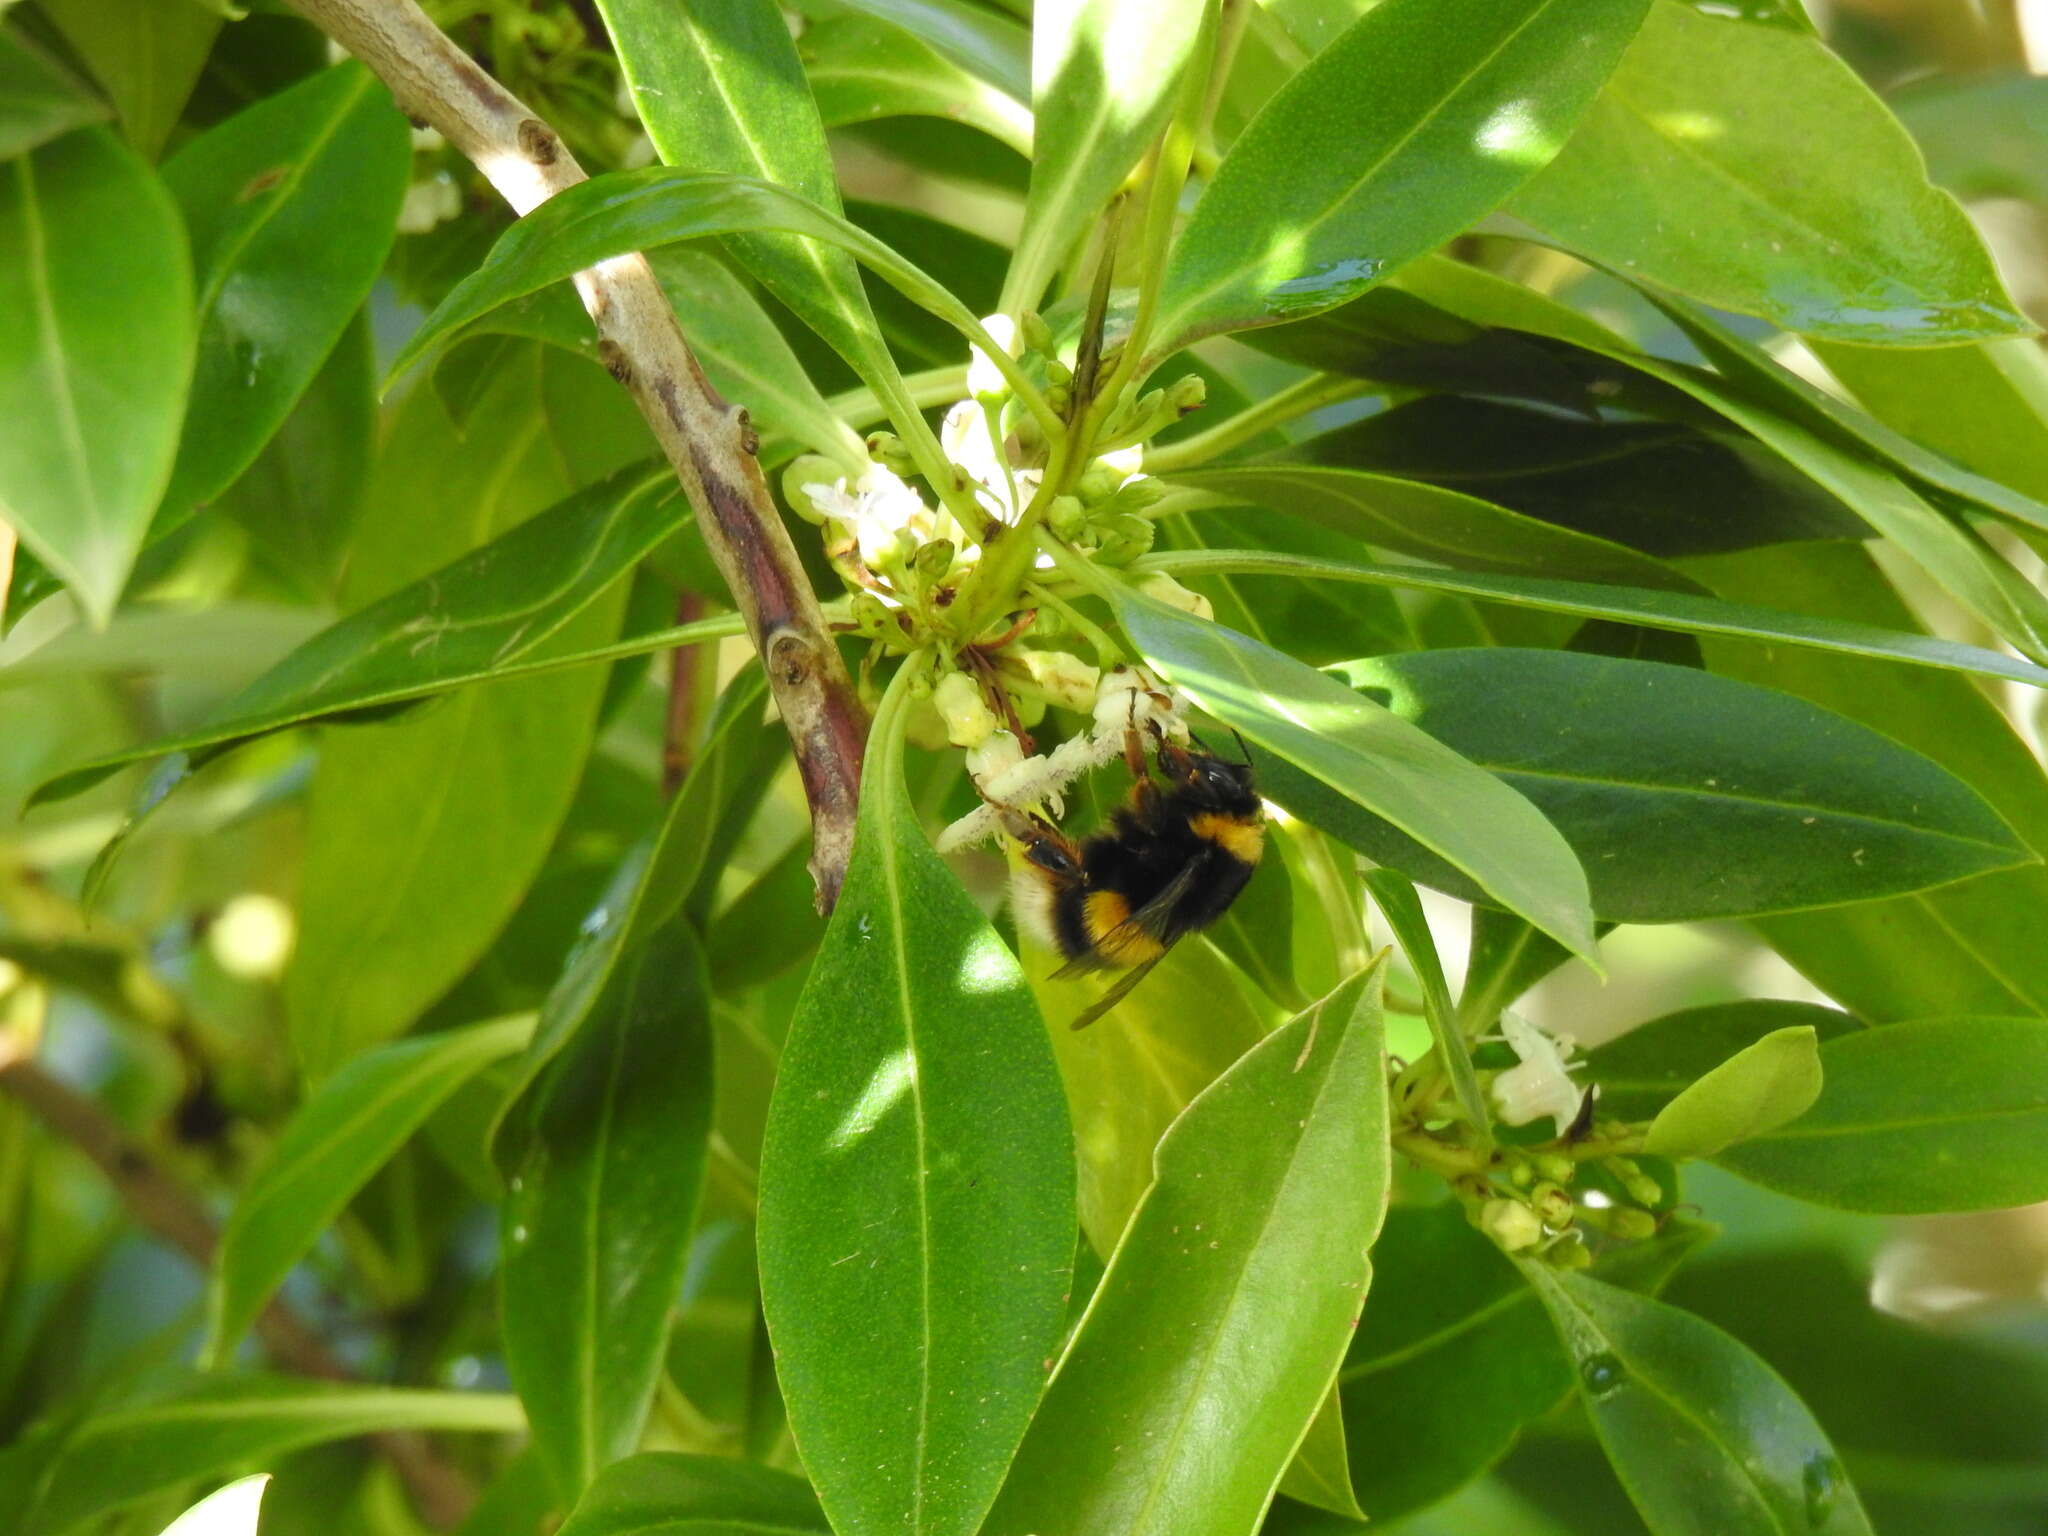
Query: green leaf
(206, 1426)
(95, 344)
(1660, 487)
(1703, 1434)
(747, 358)
(1970, 948)
(39, 100)
(1395, 896)
(1628, 605)
(600, 1214)
(467, 622)
(1127, 1083)
(672, 873)
(299, 501)
(292, 206)
(1214, 1335)
(1332, 186)
(992, 47)
(1430, 523)
(661, 1493)
(1644, 1070)
(1761, 1087)
(917, 1209)
(422, 834)
(144, 54)
(1320, 1474)
(1373, 760)
(1104, 76)
(232, 1510)
(720, 88)
(1941, 1427)
(1675, 175)
(340, 1137)
(862, 68)
(1985, 406)
(639, 210)
(1688, 795)
(1943, 1115)
(1982, 134)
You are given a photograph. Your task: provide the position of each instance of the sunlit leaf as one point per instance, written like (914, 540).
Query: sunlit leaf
(1759, 1088)
(664, 1494)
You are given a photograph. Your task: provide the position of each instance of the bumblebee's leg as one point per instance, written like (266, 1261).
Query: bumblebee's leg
(1044, 844)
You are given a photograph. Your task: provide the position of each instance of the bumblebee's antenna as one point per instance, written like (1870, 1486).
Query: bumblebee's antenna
(1243, 751)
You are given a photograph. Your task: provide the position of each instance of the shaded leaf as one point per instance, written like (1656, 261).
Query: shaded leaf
(1704, 1435)
(1645, 1069)
(600, 1214)
(1675, 175)
(661, 1493)
(145, 56)
(327, 1152)
(1394, 894)
(1688, 795)
(862, 68)
(39, 99)
(1331, 187)
(917, 1215)
(292, 206)
(1944, 1115)
(95, 343)
(1213, 1336)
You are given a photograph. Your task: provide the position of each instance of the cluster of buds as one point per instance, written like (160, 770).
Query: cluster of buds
(1121, 700)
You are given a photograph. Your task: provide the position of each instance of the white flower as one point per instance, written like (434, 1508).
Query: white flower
(966, 439)
(888, 518)
(969, 720)
(983, 377)
(1541, 1084)
(1165, 589)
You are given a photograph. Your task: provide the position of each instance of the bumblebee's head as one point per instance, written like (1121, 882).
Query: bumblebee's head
(1211, 783)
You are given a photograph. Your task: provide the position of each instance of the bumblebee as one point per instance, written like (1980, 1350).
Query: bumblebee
(1171, 861)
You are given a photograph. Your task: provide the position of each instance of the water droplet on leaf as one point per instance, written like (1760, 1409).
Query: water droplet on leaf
(1603, 1374)
(1823, 1478)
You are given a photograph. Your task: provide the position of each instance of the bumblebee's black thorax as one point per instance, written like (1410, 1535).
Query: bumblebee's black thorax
(1148, 845)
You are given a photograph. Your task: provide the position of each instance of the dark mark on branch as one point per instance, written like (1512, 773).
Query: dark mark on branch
(537, 142)
(613, 356)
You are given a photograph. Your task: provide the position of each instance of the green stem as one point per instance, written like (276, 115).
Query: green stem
(932, 387)
(1297, 399)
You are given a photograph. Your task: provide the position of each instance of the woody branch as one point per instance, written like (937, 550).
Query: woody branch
(708, 441)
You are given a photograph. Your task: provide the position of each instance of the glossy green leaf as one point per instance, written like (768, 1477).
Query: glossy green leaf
(207, 1425)
(1320, 1474)
(423, 833)
(1986, 406)
(1688, 795)
(1703, 1434)
(1213, 1336)
(917, 1209)
(1764, 1085)
(1628, 605)
(472, 619)
(291, 206)
(1431, 523)
(1644, 1070)
(1104, 76)
(636, 210)
(720, 88)
(601, 1211)
(669, 874)
(1945, 1115)
(299, 501)
(1394, 894)
(1940, 1427)
(1659, 487)
(992, 47)
(1676, 176)
(1332, 186)
(95, 345)
(340, 1137)
(1969, 948)
(661, 1493)
(39, 99)
(1128, 1082)
(145, 56)
(1373, 760)
(862, 68)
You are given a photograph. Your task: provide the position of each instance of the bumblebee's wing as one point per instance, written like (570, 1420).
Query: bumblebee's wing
(1150, 919)
(1116, 993)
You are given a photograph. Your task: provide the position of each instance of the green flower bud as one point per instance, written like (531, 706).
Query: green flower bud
(1555, 1166)
(932, 562)
(1511, 1224)
(1570, 1253)
(1066, 517)
(1631, 1225)
(1135, 495)
(1098, 483)
(887, 449)
(871, 615)
(1553, 1204)
(1187, 393)
(1057, 372)
(1036, 333)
